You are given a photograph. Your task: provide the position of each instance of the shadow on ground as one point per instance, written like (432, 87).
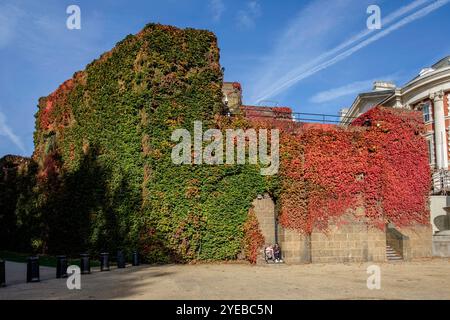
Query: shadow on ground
(425, 279)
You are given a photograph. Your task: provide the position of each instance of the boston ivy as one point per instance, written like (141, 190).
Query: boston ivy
(102, 178)
(106, 179)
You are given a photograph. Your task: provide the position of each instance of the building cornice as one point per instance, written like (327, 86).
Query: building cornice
(351, 113)
(424, 86)
(436, 81)
(427, 77)
(417, 90)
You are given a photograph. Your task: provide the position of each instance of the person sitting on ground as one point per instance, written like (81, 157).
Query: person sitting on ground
(277, 253)
(269, 253)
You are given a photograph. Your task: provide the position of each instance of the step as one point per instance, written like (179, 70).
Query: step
(392, 255)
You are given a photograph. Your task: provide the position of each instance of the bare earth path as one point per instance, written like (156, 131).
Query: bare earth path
(425, 279)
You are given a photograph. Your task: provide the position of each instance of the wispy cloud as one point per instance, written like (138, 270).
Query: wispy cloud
(345, 49)
(217, 8)
(35, 29)
(305, 37)
(6, 131)
(246, 17)
(9, 19)
(349, 89)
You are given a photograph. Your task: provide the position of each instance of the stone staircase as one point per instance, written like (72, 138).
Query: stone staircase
(392, 255)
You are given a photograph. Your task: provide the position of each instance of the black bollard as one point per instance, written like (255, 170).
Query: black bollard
(61, 267)
(85, 264)
(2, 274)
(33, 269)
(120, 260)
(135, 258)
(104, 261)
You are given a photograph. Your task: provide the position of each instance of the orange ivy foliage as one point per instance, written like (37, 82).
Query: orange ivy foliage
(253, 238)
(399, 152)
(379, 163)
(237, 86)
(56, 110)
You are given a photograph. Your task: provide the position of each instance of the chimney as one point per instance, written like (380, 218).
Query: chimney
(383, 85)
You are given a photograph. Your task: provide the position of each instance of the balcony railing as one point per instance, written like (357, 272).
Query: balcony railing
(441, 182)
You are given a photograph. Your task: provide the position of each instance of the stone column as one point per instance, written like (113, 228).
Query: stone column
(440, 137)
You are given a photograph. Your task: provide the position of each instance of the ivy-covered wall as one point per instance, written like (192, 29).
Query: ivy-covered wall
(102, 178)
(106, 179)
(17, 229)
(380, 164)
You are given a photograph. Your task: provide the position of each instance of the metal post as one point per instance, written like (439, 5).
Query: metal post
(136, 261)
(85, 263)
(120, 260)
(61, 267)
(104, 261)
(33, 269)
(2, 273)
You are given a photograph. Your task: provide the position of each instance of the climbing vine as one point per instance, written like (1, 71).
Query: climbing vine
(253, 238)
(109, 128)
(379, 164)
(102, 178)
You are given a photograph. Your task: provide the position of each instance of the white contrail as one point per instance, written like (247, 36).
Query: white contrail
(5, 130)
(292, 79)
(386, 21)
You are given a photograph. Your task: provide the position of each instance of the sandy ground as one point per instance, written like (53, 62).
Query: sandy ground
(425, 279)
(17, 273)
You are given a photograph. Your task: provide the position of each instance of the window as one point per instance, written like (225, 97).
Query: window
(426, 110)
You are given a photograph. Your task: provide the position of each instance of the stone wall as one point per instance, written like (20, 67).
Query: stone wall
(438, 214)
(349, 240)
(264, 209)
(295, 248)
(420, 241)
(354, 242)
(233, 94)
(441, 246)
(398, 242)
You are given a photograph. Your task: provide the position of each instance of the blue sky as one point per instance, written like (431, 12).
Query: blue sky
(313, 56)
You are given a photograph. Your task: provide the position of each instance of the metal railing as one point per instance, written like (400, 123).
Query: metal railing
(441, 182)
(268, 112)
